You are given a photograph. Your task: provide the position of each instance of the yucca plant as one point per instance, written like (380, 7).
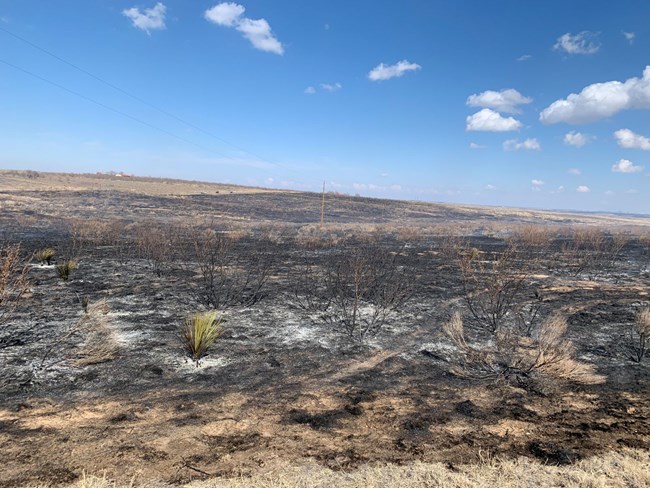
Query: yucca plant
(66, 268)
(45, 255)
(200, 331)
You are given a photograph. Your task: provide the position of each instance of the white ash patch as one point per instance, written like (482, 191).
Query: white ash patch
(186, 365)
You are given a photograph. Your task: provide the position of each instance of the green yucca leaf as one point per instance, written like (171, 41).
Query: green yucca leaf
(200, 331)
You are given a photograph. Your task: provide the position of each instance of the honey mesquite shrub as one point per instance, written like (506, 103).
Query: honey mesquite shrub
(156, 245)
(228, 275)
(498, 289)
(356, 291)
(640, 335)
(590, 252)
(200, 331)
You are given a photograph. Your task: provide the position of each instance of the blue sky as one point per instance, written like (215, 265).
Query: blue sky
(540, 104)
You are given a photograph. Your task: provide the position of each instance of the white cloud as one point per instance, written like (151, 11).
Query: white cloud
(473, 145)
(502, 101)
(331, 87)
(525, 57)
(576, 139)
(629, 140)
(537, 182)
(491, 121)
(626, 166)
(310, 90)
(583, 189)
(147, 19)
(584, 42)
(574, 172)
(560, 188)
(490, 187)
(629, 36)
(257, 31)
(386, 72)
(515, 145)
(609, 193)
(632, 191)
(226, 13)
(600, 100)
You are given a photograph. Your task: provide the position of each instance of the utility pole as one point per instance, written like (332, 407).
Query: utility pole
(322, 207)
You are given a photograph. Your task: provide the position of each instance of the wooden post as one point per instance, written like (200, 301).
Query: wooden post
(322, 207)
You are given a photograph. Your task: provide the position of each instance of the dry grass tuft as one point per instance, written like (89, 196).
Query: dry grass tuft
(66, 268)
(511, 355)
(13, 280)
(100, 344)
(626, 469)
(45, 255)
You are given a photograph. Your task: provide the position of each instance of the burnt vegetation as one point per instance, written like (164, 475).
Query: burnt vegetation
(332, 328)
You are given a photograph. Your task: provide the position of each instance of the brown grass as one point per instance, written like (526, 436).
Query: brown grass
(629, 468)
(13, 280)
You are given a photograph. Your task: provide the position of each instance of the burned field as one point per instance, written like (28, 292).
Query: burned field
(397, 332)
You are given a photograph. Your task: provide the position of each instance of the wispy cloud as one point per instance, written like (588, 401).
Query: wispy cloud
(310, 90)
(626, 166)
(331, 87)
(600, 100)
(148, 19)
(576, 139)
(257, 31)
(629, 140)
(503, 101)
(583, 189)
(584, 42)
(490, 121)
(386, 72)
(629, 36)
(473, 145)
(525, 57)
(536, 182)
(528, 144)
(574, 172)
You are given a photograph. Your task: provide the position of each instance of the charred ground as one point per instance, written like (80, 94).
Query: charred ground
(281, 384)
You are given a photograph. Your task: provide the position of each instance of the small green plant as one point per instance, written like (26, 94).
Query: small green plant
(45, 255)
(200, 331)
(66, 268)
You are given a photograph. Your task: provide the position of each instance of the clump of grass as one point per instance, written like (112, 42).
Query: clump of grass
(45, 255)
(66, 268)
(200, 331)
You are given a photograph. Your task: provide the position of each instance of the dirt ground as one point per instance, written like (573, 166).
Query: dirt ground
(276, 387)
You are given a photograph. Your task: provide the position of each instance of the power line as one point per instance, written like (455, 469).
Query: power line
(131, 95)
(111, 109)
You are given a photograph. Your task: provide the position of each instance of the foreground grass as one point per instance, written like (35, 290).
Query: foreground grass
(629, 468)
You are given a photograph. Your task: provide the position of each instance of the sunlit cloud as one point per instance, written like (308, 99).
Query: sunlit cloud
(148, 19)
(386, 72)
